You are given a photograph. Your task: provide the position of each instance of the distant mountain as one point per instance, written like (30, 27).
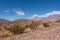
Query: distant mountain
(53, 17)
(36, 18)
(49, 18)
(3, 21)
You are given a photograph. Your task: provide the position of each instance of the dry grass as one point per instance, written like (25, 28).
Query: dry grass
(19, 27)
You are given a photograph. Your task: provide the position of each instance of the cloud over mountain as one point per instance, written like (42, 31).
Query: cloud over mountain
(46, 15)
(35, 15)
(51, 13)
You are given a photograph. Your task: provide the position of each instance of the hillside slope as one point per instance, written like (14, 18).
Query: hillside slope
(48, 33)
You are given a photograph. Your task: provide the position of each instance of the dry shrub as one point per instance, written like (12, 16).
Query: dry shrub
(57, 21)
(5, 33)
(16, 29)
(33, 25)
(46, 25)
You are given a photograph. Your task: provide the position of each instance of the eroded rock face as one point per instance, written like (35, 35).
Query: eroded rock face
(49, 33)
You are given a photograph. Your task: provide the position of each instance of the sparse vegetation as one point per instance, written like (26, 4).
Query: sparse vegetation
(46, 25)
(33, 25)
(4, 33)
(58, 21)
(16, 29)
(19, 29)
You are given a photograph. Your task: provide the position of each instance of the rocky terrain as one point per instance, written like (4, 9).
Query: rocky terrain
(49, 33)
(30, 29)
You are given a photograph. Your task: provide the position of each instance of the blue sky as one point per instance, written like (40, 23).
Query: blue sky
(22, 9)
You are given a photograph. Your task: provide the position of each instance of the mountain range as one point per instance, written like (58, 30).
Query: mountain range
(37, 18)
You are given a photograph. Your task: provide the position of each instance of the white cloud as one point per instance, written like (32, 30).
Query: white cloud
(6, 11)
(51, 13)
(35, 15)
(19, 12)
(46, 15)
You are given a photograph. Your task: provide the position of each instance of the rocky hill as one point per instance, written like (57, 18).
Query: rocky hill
(31, 29)
(46, 33)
